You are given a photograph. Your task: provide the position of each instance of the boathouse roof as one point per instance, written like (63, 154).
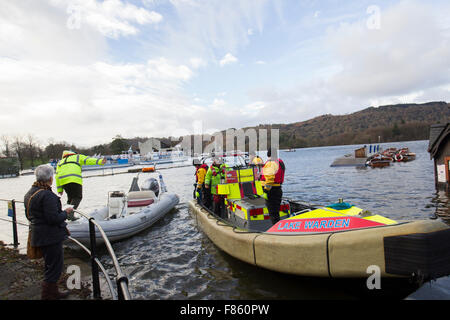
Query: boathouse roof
(438, 133)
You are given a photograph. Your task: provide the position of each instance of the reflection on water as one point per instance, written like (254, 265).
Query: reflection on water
(175, 260)
(441, 201)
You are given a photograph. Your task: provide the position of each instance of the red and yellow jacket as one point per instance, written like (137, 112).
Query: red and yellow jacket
(200, 175)
(273, 173)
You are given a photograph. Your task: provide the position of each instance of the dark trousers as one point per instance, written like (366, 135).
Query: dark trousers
(54, 262)
(273, 203)
(74, 193)
(200, 193)
(207, 201)
(219, 206)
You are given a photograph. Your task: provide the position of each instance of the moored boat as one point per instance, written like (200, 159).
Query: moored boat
(127, 214)
(375, 163)
(340, 240)
(378, 161)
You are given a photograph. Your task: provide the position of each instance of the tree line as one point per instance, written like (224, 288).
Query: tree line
(371, 125)
(30, 152)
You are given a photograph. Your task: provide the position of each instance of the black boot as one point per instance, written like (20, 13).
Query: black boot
(45, 291)
(50, 291)
(58, 295)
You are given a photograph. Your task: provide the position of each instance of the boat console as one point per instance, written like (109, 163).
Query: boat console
(245, 207)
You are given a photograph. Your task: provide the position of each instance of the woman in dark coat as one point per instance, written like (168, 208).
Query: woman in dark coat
(48, 228)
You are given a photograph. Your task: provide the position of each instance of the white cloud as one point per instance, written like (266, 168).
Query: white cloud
(408, 53)
(405, 61)
(218, 103)
(203, 28)
(197, 63)
(228, 59)
(254, 109)
(112, 18)
(99, 100)
(45, 35)
(163, 69)
(55, 79)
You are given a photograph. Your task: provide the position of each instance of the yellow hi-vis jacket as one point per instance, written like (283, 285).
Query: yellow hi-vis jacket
(68, 169)
(214, 175)
(201, 174)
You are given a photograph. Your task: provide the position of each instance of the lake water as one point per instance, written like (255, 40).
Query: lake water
(175, 260)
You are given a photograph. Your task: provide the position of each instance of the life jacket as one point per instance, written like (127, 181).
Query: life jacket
(279, 175)
(214, 176)
(203, 166)
(216, 170)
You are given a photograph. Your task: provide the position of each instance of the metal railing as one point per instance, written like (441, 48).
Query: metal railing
(121, 279)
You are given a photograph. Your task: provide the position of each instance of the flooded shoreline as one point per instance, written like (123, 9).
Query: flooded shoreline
(174, 260)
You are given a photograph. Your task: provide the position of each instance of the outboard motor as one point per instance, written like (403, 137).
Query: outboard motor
(152, 185)
(116, 204)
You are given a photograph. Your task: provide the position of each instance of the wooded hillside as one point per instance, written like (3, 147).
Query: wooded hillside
(390, 123)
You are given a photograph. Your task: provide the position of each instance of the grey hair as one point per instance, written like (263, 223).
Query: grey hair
(43, 173)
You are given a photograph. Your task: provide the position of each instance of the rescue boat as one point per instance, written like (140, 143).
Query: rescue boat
(127, 214)
(339, 240)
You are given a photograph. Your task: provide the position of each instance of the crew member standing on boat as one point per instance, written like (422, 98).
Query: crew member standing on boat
(68, 175)
(200, 174)
(257, 163)
(214, 176)
(272, 178)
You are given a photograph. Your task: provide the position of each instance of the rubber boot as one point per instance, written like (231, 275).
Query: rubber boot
(50, 292)
(56, 294)
(46, 291)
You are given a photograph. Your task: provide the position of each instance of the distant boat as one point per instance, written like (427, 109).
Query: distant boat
(378, 163)
(162, 157)
(107, 166)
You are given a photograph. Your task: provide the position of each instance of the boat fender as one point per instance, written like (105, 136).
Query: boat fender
(161, 182)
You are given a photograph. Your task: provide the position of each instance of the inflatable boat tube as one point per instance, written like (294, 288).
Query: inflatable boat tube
(124, 227)
(401, 249)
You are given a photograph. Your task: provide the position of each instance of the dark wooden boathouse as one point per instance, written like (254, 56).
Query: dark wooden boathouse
(439, 149)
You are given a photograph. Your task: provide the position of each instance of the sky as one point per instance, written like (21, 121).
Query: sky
(85, 71)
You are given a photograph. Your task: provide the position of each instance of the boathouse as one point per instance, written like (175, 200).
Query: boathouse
(439, 149)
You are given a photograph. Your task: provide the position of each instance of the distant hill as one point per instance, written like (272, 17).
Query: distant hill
(401, 122)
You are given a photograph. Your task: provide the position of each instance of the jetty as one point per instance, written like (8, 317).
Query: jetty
(357, 159)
